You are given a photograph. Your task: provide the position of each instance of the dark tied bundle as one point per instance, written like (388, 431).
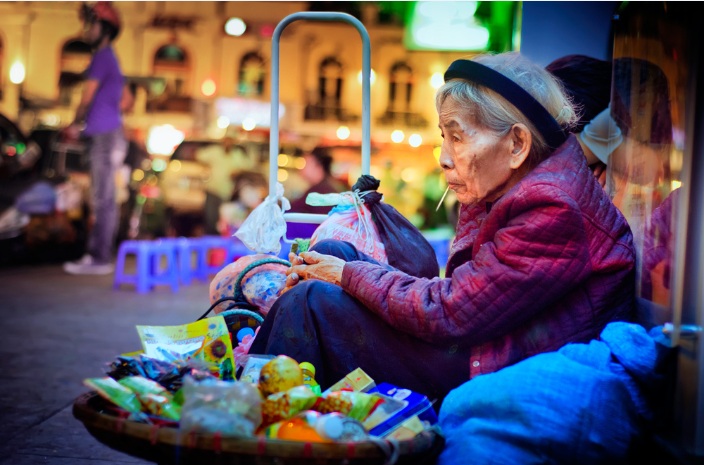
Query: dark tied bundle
(406, 248)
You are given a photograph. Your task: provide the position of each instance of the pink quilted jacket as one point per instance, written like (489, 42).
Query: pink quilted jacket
(549, 263)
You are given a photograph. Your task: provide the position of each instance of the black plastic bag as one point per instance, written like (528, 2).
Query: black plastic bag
(406, 248)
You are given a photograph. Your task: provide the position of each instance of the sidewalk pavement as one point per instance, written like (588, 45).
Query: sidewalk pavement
(56, 330)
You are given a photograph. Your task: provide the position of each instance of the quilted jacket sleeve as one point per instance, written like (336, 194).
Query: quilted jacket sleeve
(533, 250)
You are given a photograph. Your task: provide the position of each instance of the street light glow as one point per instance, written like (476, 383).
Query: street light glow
(436, 80)
(235, 27)
(343, 132)
(17, 72)
(397, 136)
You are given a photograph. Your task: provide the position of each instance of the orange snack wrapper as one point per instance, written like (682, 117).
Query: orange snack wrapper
(283, 405)
(357, 405)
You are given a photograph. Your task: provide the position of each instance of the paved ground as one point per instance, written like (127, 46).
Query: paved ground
(57, 330)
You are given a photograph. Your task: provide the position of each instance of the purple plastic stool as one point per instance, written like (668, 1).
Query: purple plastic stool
(156, 264)
(204, 246)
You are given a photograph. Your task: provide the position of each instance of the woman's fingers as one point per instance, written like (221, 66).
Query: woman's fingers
(310, 258)
(291, 280)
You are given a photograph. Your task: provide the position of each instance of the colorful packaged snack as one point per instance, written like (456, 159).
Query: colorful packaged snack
(356, 405)
(207, 340)
(283, 405)
(116, 393)
(356, 380)
(253, 364)
(154, 398)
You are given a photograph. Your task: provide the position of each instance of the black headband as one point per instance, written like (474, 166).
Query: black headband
(526, 103)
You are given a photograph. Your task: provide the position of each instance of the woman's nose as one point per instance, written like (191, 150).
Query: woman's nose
(445, 160)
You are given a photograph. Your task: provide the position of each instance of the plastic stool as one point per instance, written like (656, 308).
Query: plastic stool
(236, 249)
(187, 256)
(149, 270)
(214, 253)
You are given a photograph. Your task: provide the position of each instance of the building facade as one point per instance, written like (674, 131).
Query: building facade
(186, 71)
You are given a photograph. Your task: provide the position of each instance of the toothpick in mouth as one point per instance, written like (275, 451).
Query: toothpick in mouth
(443, 198)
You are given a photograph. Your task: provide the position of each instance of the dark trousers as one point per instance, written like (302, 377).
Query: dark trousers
(107, 152)
(320, 323)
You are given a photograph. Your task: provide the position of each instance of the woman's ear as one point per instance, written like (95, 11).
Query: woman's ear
(520, 142)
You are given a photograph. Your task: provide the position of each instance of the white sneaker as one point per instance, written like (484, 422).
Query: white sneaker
(88, 265)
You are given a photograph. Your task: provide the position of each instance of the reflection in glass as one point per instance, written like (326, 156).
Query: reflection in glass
(644, 173)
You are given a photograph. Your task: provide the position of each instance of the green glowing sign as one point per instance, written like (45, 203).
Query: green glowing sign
(460, 26)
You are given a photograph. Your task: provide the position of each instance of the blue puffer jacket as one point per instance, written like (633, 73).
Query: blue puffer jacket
(551, 262)
(584, 404)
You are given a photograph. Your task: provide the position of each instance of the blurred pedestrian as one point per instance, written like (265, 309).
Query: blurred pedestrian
(99, 120)
(225, 160)
(318, 173)
(251, 187)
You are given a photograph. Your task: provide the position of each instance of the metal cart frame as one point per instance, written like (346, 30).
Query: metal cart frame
(366, 107)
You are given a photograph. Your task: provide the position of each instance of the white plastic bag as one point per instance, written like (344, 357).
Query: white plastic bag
(265, 226)
(215, 406)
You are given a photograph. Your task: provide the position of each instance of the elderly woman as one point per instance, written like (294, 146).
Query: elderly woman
(541, 257)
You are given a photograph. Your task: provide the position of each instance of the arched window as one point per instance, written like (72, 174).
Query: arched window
(171, 63)
(400, 105)
(400, 87)
(330, 86)
(75, 58)
(251, 75)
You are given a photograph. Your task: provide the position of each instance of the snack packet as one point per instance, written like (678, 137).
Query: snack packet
(153, 396)
(282, 405)
(357, 405)
(207, 340)
(116, 393)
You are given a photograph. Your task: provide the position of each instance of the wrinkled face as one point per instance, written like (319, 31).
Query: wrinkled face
(476, 162)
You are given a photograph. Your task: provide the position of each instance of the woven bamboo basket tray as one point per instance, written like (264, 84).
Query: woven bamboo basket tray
(169, 445)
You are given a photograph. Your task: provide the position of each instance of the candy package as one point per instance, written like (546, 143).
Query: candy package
(116, 393)
(282, 405)
(357, 405)
(207, 340)
(154, 398)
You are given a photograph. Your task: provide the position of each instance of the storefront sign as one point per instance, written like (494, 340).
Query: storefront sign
(172, 22)
(239, 110)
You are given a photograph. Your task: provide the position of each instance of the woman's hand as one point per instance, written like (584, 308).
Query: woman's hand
(314, 265)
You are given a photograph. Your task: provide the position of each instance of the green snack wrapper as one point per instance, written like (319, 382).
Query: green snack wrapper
(155, 398)
(116, 393)
(161, 406)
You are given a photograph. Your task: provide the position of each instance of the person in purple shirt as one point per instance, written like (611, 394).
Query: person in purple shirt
(99, 121)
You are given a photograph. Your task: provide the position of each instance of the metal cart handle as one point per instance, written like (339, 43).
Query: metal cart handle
(274, 137)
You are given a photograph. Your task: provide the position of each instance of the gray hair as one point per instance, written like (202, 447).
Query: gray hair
(494, 112)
